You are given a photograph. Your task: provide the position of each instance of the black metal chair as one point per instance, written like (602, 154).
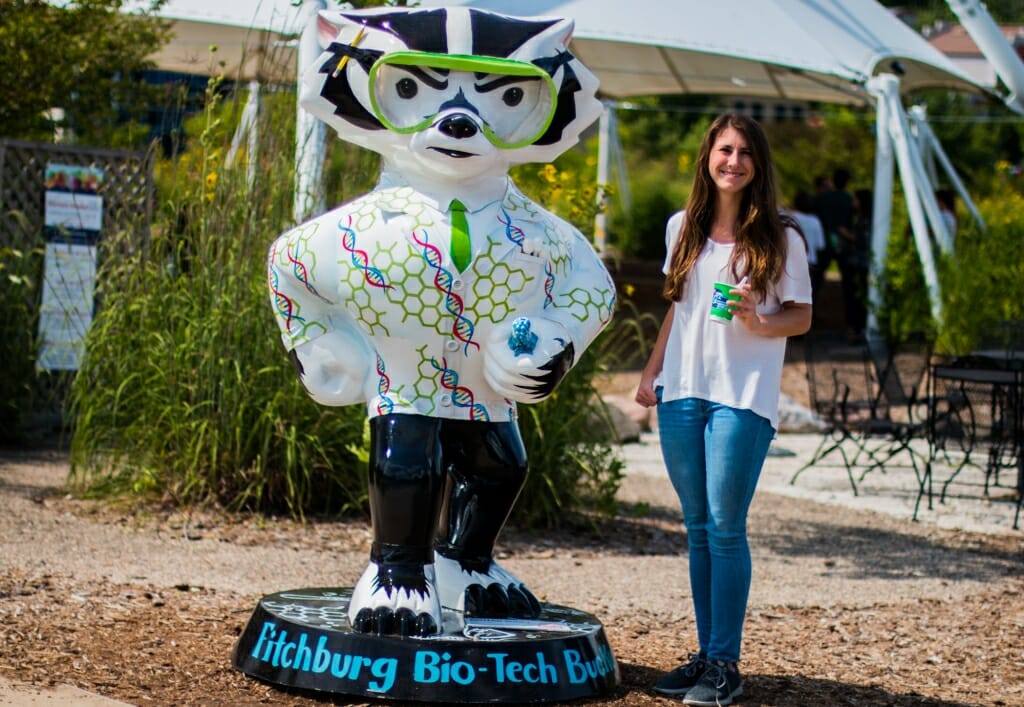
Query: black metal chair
(901, 408)
(844, 396)
(1003, 343)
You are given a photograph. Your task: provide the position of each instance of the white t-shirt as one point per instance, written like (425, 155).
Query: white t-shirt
(813, 232)
(949, 218)
(724, 362)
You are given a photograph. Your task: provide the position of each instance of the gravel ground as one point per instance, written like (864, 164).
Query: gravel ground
(848, 606)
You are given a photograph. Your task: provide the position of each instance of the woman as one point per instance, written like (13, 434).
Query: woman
(717, 384)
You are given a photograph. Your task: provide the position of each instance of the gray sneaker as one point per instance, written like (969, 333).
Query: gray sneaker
(716, 687)
(682, 678)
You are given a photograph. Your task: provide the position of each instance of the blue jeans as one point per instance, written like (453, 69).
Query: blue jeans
(714, 454)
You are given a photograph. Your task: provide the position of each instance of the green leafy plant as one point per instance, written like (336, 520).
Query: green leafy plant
(85, 57)
(983, 282)
(575, 469)
(569, 438)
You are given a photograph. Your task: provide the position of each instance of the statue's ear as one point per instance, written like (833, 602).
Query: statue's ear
(555, 36)
(563, 30)
(328, 24)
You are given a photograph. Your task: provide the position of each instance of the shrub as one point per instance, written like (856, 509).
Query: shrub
(983, 283)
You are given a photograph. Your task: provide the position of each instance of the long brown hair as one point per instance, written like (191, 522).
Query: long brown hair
(761, 242)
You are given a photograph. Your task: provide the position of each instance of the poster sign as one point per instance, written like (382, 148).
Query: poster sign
(73, 219)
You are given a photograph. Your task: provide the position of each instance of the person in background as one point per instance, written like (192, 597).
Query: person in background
(716, 385)
(947, 209)
(825, 256)
(854, 263)
(810, 225)
(837, 213)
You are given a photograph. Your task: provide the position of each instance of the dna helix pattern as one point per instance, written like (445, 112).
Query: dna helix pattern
(360, 259)
(386, 405)
(461, 396)
(463, 328)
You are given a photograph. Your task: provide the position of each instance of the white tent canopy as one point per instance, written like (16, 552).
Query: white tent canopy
(813, 50)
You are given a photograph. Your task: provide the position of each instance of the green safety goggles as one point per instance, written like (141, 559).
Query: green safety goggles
(515, 100)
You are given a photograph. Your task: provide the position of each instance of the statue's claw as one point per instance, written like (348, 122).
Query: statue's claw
(496, 593)
(396, 600)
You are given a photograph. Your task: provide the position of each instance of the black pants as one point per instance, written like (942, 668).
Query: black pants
(855, 294)
(442, 484)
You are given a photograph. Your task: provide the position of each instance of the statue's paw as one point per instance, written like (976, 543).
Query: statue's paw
(383, 621)
(398, 600)
(493, 593)
(528, 377)
(499, 602)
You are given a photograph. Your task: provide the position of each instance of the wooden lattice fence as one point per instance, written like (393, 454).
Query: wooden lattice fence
(127, 189)
(32, 400)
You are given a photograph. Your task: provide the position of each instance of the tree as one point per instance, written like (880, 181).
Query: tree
(85, 57)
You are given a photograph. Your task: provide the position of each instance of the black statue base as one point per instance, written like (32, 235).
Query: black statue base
(302, 639)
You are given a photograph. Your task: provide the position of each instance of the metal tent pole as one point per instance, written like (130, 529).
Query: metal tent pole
(248, 129)
(881, 211)
(886, 86)
(917, 114)
(989, 38)
(310, 133)
(604, 146)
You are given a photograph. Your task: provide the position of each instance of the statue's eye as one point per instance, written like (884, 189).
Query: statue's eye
(406, 88)
(513, 96)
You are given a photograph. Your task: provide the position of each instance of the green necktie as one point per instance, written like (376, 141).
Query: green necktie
(461, 250)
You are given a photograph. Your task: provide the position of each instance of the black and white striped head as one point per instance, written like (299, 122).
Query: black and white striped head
(452, 91)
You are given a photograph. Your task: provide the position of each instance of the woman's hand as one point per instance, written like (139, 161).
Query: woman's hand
(745, 308)
(645, 395)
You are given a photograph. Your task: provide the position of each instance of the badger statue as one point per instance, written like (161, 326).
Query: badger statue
(444, 296)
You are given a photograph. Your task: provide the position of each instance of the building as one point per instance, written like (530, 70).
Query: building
(953, 40)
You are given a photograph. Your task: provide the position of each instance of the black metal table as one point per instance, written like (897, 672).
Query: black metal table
(975, 413)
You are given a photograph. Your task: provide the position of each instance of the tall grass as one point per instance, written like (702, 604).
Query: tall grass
(571, 439)
(186, 391)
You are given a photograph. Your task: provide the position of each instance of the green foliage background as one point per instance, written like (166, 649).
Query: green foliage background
(186, 394)
(984, 283)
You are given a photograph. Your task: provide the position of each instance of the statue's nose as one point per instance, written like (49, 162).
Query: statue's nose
(459, 127)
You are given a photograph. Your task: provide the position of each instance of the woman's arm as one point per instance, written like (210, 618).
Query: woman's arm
(645, 391)
(792, 320)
